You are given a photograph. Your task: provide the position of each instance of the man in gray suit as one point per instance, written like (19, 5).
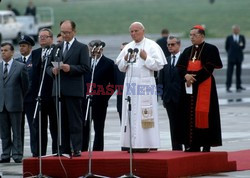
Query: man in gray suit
(76, 62)
(13, 86)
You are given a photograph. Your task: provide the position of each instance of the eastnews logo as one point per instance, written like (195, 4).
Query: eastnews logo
(132, 89)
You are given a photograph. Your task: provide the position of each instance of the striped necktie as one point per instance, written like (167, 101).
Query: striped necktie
(5, 71)
(66, 49)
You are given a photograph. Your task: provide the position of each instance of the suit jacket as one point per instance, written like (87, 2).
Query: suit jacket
(29, 95)
(103, 77)
(171, 81)
(234, 49)
(38, 67)
(72, 82)
(12, 92)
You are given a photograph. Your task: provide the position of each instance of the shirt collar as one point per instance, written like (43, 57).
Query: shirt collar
(27, 57)
(70, 42)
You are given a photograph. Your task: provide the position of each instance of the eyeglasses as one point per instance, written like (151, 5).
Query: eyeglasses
(66, 33)
(171, 44)
(44, 37)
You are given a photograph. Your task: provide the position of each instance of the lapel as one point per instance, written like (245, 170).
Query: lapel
(1, 71)
(12, 70)
(70, 51)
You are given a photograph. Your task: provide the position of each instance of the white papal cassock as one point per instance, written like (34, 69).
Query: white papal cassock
(140, 85)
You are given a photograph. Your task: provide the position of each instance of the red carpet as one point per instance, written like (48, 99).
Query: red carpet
(242, 159)
(169, 164)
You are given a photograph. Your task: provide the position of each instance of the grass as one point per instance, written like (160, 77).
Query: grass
(115, 16)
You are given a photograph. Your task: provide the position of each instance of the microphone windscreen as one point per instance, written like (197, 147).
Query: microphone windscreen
(136, 50)
(130, 50)
(102, 44)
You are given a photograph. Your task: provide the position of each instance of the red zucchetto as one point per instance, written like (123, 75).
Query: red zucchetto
(199, 27)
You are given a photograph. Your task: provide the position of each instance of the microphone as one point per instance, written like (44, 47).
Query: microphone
(136, 50)
(50, 49)
(57, 51)
(130, 51)
(102, 45)
(94, 47)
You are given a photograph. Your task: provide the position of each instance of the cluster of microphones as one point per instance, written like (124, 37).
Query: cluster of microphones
(98, 46)
(132, 53)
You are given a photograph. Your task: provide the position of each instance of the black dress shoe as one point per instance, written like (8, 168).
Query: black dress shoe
(18, 160)
(206, 149)
(193, 149)
(5, 160)
(77, 153)
(239, 89)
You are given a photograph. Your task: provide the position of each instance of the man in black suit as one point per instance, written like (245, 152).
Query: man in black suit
(103, 88)
(172, 83)
(25, 48)
(162, 42)
(235, 45)
(75, 58)
(48, 110)
(14, 84)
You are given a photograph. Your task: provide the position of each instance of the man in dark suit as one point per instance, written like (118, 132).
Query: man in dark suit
(25, 48)
(162, 42)
(235, 45)
(14, 84)
(75, 58)
(172, 83)
(48, 109)
(103, 88)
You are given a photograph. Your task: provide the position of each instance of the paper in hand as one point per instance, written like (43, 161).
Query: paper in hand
(57, 64)
(189, 90)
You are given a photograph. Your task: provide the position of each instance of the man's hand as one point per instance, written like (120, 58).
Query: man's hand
(190, 79)
(65, 67)
(55, 70)
(143, 54)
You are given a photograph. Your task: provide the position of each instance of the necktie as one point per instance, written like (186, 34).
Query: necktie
(5, 71)
(24, 60)
(66, 49)
(173, 61)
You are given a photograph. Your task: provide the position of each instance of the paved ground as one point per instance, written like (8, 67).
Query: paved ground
(234, 109)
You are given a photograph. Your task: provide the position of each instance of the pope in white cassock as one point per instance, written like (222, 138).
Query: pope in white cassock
(140, 85)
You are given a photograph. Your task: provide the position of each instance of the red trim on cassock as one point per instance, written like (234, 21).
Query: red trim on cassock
(203, 97)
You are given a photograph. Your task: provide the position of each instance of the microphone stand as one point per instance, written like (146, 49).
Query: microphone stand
(130, 174)
(59, 108)
(38, 108)
(89, 108)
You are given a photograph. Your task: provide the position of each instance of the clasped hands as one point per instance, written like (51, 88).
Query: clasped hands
(190, 79)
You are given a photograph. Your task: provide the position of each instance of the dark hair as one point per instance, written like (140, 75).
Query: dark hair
(8, 44)
(200, 31)
(73, 24)
(58, 35)
(165, 31)
(124, 43)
